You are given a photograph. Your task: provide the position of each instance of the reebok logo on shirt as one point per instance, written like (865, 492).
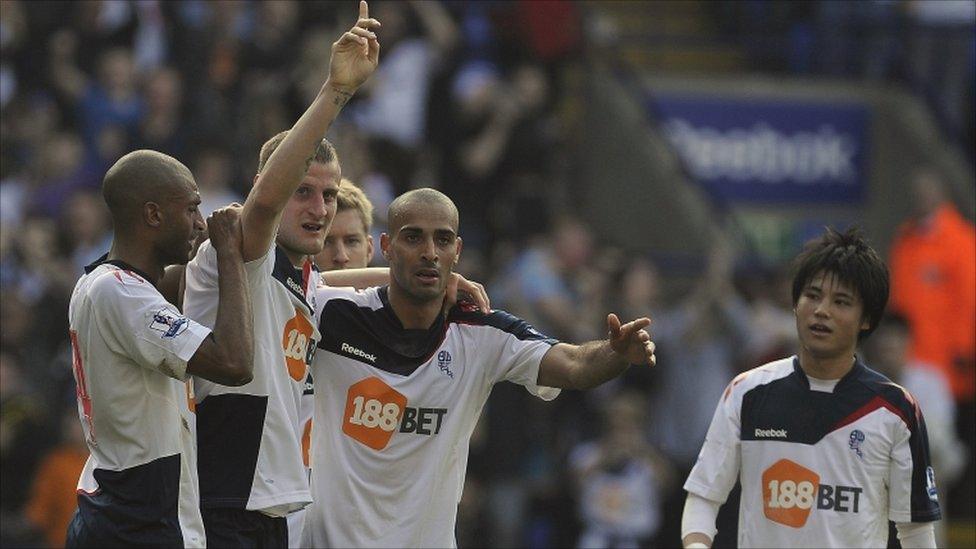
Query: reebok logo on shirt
(770, 433)
(347, 348)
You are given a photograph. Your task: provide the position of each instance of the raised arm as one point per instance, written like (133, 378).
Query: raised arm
(227, 355)
(354, 57)
(585, 366)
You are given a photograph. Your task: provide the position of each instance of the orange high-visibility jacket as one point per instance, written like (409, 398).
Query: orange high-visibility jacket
(933, 283)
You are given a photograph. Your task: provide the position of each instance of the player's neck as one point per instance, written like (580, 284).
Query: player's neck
(834, 367)
(413, 315)
(297, 258)
(140, 256)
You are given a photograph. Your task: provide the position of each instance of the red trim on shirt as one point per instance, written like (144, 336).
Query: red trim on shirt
(872, 405)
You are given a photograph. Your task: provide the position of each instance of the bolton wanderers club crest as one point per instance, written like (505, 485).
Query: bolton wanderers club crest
(857, 437)
(444, 363)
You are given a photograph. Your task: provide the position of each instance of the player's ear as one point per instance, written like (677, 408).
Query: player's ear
(152, 214)
(385, 245)
(460, 244)
(369, 248)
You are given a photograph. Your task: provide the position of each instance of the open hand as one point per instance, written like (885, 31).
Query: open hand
(355, 54)
(631, 340)
(474, 290)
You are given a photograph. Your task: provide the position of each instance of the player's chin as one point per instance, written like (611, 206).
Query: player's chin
(428, 293)
(179, 255)
(308, 245)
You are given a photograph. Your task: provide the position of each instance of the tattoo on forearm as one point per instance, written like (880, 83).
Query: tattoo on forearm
(341, 97)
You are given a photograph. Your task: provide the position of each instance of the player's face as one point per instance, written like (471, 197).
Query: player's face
(829, 317)
(308, 213)
(423, 252)
(183, 224)
(347, 246)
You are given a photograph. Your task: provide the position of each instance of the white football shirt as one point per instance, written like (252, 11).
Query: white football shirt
(250, 454)
(818, 468)
(394, 413)
(130, 350)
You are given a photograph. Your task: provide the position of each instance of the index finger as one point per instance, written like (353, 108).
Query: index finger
(363, 9)
(637, 324)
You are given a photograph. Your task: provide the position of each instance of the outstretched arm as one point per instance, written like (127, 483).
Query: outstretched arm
(354, 58)
(585, 366)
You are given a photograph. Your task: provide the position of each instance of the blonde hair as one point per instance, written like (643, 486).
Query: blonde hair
(351, 197)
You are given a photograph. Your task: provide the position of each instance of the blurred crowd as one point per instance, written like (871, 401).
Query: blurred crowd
(469, 97)
(927, 45)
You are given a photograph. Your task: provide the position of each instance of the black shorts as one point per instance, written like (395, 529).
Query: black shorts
(100, 531)
(246, 529)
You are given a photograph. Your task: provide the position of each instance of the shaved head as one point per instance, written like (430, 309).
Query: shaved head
(419, 200)
(139, 177)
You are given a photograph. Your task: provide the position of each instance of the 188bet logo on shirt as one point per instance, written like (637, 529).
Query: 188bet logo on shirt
(298, 345)
(374, 411)
(791, 492)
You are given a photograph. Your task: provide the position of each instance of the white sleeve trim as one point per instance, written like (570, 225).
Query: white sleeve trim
(541, 391)
(916, 534)
(699, 516)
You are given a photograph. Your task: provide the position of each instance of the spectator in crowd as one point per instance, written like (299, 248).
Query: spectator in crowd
(85, 229)
(52, 500)
(58, 171)
(213, 169)
(887, 352)
(701, 337)
(23, 437)
(933, 284)
(621, 479)
(394, 105)
(541, 281)
(772, 334)
(112, 103)
(163, 125)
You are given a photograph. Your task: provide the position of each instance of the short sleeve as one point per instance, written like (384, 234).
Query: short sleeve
(149, 329)
(202, 289)
(717, 467)
(520, 349)
(912, 493)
